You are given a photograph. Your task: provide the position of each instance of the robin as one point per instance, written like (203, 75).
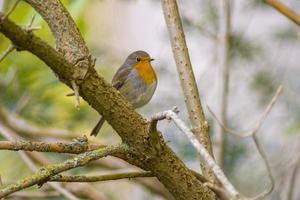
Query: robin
(136, 80)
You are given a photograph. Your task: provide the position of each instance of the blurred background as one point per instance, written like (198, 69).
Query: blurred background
(263, 52)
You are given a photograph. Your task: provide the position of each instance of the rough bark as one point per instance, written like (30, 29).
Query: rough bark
(132, 128)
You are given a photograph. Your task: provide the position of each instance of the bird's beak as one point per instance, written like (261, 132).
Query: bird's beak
(151, 59)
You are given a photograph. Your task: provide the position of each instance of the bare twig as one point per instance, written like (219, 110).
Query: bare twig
(187, 79)
(86, 191)
(29, 27)
(206, 157)
(116, 176)
(56, 186)
(38, 194)
(225, 80)
(283, 9)
(218, 190)
(24, 127)
(9, 134)
(130, 126)
(22, 102)
(259, 122)
(77, 99)
(209, 34)
(45, 173)
(79, 189)
(6, 52)
(252, 134)
(263, 155)
(11, 10)
(293, 178)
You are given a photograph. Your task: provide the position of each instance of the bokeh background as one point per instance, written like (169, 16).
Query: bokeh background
(264, 53)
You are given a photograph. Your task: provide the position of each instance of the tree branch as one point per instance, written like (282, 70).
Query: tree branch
(23, 127)
(10, 135)
(259, 122)
(69, 43)
(116, 176)
(187, 79)
(131, 127)
(225, 80)
(283, 9)
(6, 52)
(252, 134)
(11, 10)
(293, 179)
(45, 173)
(57, 147)
(206, 157)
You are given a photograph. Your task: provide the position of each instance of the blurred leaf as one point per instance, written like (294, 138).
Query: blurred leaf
(289, 34)
(263, 82)
(234, 151)
(211, 16)
(242, 48)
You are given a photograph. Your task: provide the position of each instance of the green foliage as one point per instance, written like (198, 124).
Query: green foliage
(23, 74)
(243, 48)
(288, 34)
(235, 150)
(211, 15)
(263, 82)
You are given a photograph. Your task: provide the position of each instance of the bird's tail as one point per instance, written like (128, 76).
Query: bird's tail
(97, 128)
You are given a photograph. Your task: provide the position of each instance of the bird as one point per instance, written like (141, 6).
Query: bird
(136, 80)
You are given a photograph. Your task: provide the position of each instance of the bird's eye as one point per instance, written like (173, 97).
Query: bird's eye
(138, 59)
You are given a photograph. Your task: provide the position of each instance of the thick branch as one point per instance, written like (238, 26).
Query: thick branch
(58, 147)
(131, 127)
(45, 173)
(187, 78)
(69, 43)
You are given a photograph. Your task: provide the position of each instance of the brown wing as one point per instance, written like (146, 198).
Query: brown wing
(120, 77)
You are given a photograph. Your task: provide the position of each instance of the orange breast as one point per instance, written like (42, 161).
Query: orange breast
(146, 72)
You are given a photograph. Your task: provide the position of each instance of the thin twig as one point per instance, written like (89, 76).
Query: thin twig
(77, 99)
(56, 186)
(206, 157)
(22, 102)
(225, 80)
(283, 9)
(9, 134)
(108, 177)
(263, 155)
(19, 125)
(11, 9)
(6, 52)
(29, 27)
(252, 134)
(209, 34)
(293, 178)
(222, 194)
(31, 195)
(38, 194)
(259, 122)
(45, 173)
